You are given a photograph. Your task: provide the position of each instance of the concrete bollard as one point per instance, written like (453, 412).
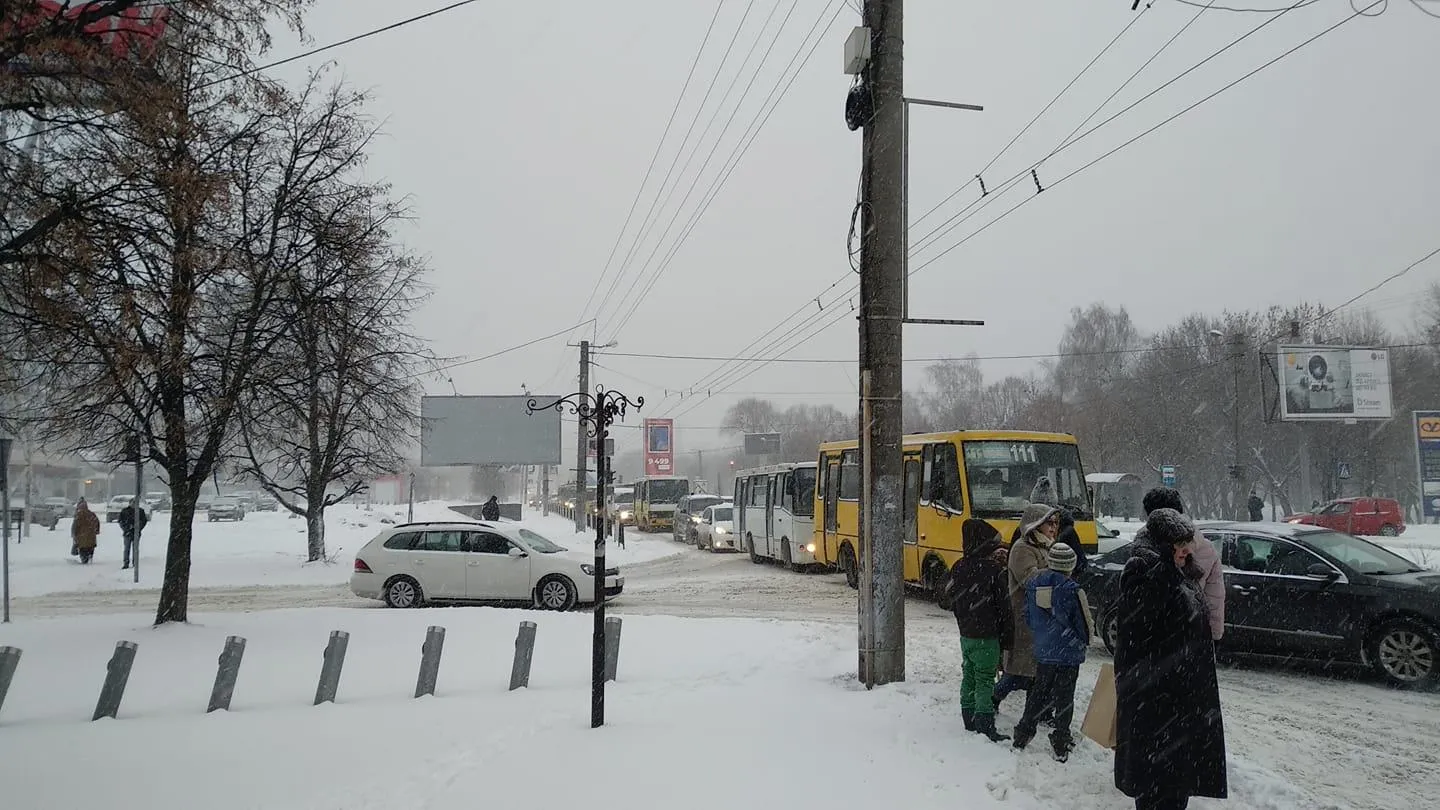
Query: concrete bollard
(430, 661)
(330, 670)
(9, 661)
(524, 654)
(117, 674)
(612, 646)
(227, 674)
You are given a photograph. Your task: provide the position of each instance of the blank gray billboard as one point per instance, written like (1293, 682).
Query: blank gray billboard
(463, 431)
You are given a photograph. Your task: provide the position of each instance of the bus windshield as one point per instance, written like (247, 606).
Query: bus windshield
(668, 490)
(1004, 476)
(804, 483)
(626, 496)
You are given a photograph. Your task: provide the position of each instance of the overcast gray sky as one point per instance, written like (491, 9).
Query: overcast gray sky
(522, 131)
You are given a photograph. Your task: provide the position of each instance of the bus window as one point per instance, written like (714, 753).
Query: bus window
(945, 478)
(849, 476)
(802, 480)
(1003, 476)
(787, 495)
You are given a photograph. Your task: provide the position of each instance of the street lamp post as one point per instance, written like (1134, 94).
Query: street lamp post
(597, 412)
(5, 442)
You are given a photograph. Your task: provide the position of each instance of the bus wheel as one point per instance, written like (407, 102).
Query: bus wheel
(850, 567)
(750, 545)
(934, 578)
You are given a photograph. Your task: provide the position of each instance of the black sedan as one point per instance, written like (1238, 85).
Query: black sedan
(1305, 591)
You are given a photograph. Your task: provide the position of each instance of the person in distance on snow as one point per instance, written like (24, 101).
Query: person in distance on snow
(491, 509)
(1059, 617)
(979, 597)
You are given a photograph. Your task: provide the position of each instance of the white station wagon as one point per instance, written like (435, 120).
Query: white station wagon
(416, 563)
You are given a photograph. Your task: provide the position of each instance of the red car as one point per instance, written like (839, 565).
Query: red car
(1358, 516)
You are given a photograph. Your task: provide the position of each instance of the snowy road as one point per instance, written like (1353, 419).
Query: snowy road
(1349, 741)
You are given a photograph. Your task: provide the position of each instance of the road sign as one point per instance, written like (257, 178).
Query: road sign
(1167, 475)
(1343, 470)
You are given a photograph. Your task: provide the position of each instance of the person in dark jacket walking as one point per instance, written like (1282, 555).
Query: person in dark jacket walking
(1059, 617)
(491, 509)
(1257, 507)
(130, 528)
(1170, 739)
(980, 598)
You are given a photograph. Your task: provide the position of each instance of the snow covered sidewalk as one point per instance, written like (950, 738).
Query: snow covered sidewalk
(724, 713)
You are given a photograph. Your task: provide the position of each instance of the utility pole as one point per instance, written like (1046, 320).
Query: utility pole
(882, 309)
(582, 447)
(1237, 471)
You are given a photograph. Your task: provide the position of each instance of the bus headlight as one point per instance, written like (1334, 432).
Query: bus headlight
(626, 514)
(810, 547)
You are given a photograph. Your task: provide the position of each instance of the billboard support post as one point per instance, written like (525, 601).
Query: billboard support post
(597, 412)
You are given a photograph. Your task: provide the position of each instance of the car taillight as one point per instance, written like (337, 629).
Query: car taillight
(361, 567)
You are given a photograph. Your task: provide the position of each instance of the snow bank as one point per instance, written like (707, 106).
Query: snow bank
(724, 713)
(266, 548)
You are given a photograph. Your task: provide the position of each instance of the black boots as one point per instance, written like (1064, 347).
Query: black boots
(968, 717)
(985, 724)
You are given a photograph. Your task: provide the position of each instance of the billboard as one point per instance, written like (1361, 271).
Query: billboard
(1334, 382)
(762, 444)
(659, 446)
(463, 431)
(1427, 460)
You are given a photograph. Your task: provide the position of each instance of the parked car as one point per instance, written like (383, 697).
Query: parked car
(1307, 591)
(716, 529)
(225, 509)
(115, 506)
(62, 507)
(246, 499)
(267, 503)
(687, 515)
(417, 563)
(157, 501)
(1360, 516)
(40, 515)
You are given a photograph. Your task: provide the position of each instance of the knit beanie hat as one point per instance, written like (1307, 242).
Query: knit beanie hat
(1168, 527)
(1062, 558)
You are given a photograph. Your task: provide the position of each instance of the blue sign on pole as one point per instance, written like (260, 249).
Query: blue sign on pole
(1427, 461)
(1167, 475)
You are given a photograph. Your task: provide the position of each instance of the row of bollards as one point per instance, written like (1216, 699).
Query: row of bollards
(117, 671)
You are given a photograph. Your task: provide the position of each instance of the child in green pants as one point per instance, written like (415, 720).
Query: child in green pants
(979, 594)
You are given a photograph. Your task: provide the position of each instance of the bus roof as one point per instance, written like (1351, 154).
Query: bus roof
(661, 478)
(973, 435)
(776, 468)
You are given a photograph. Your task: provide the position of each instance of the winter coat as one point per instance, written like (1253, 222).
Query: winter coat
(127, 520)
(1257, 508)
(490, 511)
(1169, 732)
(977, 590)
(85, 530)
(1063, 630)
(1208, 575)
(1028, 555)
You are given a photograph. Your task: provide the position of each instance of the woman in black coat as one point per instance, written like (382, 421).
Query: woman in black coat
(1170, 740)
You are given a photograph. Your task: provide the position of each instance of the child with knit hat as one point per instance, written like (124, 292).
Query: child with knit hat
(1058, 613)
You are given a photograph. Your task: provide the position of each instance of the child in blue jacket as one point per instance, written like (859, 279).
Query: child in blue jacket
(1059, 617)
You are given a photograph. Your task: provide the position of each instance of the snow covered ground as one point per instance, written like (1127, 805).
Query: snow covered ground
(726, 713)
(264, 549)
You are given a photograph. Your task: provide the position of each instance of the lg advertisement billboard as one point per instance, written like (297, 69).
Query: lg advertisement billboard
(1334, 383)
(659, 446)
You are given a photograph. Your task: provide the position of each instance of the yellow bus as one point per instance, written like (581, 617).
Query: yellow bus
(655, 501)
(998, 477)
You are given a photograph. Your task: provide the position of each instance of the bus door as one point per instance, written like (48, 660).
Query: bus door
(770, 515)
(913, 475)
(740, 496)
(831, 471)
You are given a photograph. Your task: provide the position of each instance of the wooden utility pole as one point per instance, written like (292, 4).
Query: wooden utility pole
(882, 309)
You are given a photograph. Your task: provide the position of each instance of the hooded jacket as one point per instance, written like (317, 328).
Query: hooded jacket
(1029, 554)
(490, 510)
(977, 589)
(1063, 629)
(85, 529)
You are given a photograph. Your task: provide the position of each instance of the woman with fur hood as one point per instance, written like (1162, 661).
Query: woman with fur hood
(1039, 525)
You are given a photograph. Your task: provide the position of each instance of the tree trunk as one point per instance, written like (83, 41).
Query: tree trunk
(175, 590)
(315, 530)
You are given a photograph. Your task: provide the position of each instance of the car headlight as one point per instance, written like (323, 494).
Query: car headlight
(588, 569)
(721, 530)
(694, 519)
(626, 514)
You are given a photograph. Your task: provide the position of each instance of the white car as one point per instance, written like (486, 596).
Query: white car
(716, 529)
(414, 563)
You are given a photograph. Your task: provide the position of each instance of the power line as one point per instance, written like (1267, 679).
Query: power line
(567, 330)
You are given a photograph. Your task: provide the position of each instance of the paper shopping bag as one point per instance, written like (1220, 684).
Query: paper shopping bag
(1099, 723)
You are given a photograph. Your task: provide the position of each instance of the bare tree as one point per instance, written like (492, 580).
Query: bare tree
(335, 401)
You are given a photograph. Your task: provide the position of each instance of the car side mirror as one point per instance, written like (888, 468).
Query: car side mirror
(1321, 571)
(516, 552)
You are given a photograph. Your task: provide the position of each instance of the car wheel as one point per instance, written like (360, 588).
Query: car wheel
(851, 567)
(1406, 653)
(556, 593)
(1389, 531)
(1109, 627)
(403, 592)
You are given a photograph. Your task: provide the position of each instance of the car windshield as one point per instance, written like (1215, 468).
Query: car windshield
(722, 515)
(1116, 555)
(540, 544)
(804, 483)
(669, 490)
(696, 505)
(1005, 476)
(623, 498)
(1362, 555)
(223, 502)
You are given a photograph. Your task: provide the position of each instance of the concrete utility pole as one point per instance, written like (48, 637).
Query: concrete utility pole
(882, 287)
(582, 446)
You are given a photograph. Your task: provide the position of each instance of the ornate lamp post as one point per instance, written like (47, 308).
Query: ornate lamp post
(598, 411)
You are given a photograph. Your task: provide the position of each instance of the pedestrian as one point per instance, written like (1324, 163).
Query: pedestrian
(979, 596)
(491, 509)
(132, 523)
(1071, 538)
(1058, 613)
(1170, 738)
(1257, 507)
(84, 532)
(1203, 568)
(1039, 525)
